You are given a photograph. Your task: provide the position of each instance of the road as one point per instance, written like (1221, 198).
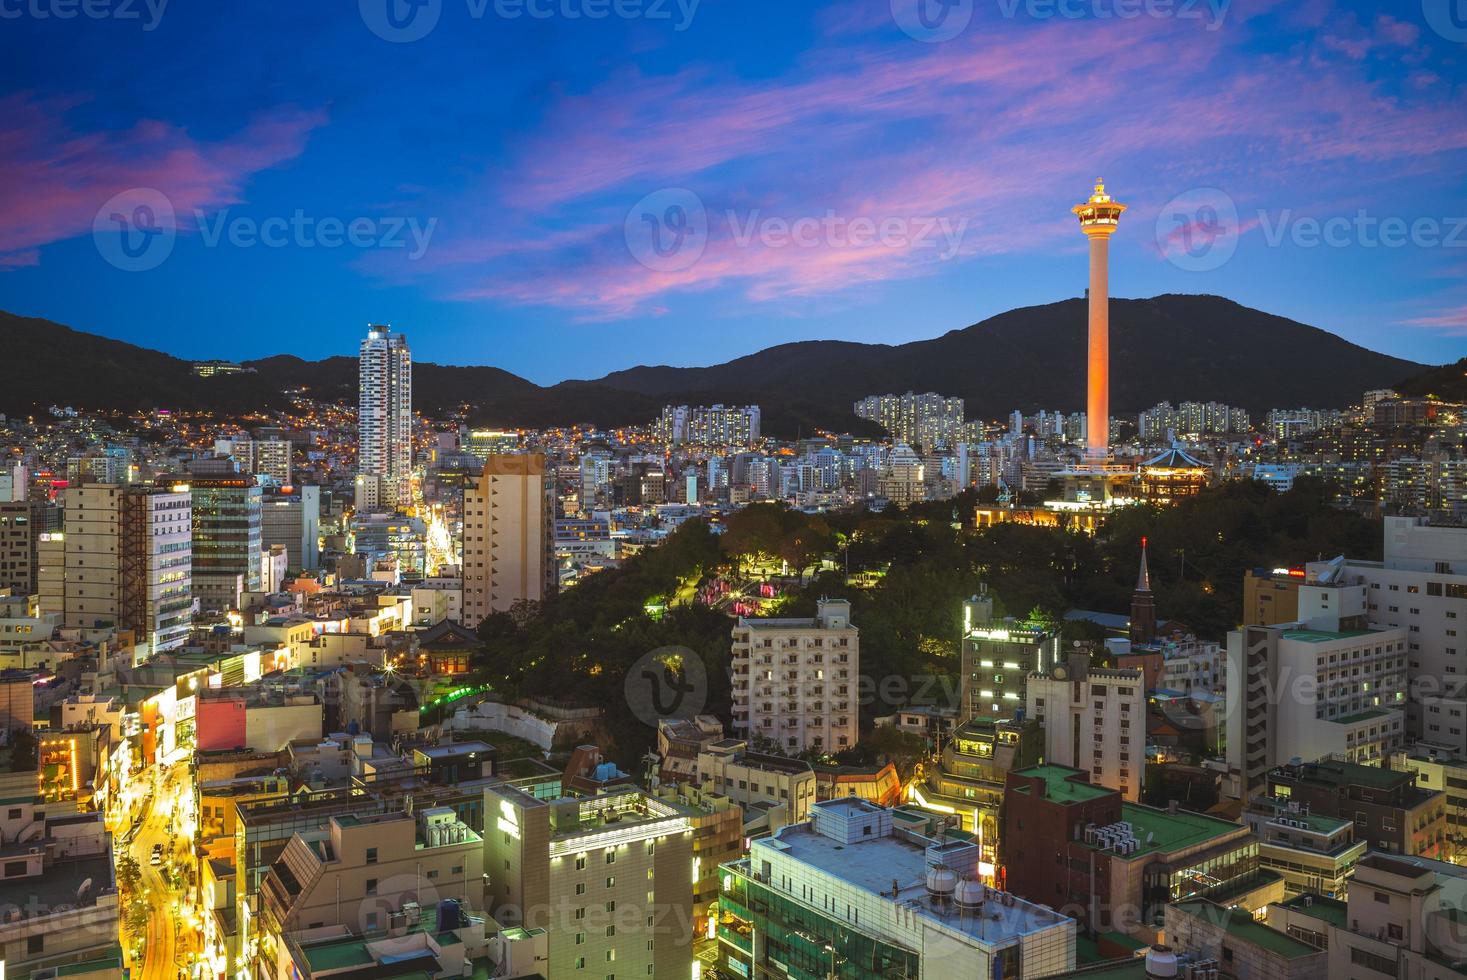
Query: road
(168, 942)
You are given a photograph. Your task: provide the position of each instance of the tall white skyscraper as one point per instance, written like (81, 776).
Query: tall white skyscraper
(385, 420)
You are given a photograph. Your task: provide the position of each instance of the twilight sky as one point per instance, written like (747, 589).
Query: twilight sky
(567, 187)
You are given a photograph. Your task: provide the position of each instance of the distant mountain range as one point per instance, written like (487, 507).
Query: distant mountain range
(1171, 347)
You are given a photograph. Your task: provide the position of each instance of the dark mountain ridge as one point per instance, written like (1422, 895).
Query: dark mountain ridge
(1171, 347)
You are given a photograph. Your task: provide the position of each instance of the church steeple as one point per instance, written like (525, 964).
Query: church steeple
(1143, 604)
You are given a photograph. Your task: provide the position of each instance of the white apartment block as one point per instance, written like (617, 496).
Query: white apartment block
(158, 603)
(1093, 720)
(1312, 689)
(509, 536)
(1188, 664)
(864, 877)
(795, 680)
(1421, 587)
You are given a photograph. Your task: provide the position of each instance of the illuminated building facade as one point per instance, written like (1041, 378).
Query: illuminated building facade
(997, 658)
(384, 420)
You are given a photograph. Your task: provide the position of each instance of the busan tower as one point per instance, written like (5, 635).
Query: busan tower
(1099, 218)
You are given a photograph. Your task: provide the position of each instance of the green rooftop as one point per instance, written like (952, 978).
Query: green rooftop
(1359, 716)
(1330, 910)
(109, 961)
(1061, 785)
(1324, 636)
(1336, 773)
(1242, 926)
(1158, 830)
(337, 955)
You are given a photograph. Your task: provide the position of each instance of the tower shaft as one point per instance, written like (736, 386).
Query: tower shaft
(1099, 217)
(1097, 402)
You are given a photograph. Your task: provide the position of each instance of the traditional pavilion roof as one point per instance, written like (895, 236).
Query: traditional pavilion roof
(1176, 459)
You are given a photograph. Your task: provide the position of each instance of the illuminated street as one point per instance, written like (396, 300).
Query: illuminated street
(169, 942)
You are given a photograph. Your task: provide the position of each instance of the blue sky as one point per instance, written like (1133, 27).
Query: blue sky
(562, 194)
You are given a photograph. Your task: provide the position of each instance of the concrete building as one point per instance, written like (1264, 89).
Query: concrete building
(508, 537)
(1447, 774)
(60, 905)
(610, 879)
(1403, 918)
(997, 659)
(269, 458)
(1093, 720)
(969, 779)
(1114, 865)
(51, 572)
(367, 873)
(17, 548)
(1271, 597)
(1420, 586)
(1325, 687)
(1390, 812)
(293, 521)
(902, 480)
(752, 779)
(156, 563)
(1314, 853)
(128, 562)
(718, 836)
(1235, 944)
(861, 890)
(795, 680)
(384, 420)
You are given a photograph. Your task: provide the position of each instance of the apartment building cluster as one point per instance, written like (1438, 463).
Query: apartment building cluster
(928, 420)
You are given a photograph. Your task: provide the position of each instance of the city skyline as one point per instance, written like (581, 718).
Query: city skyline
(1019, 628)
(525, 248)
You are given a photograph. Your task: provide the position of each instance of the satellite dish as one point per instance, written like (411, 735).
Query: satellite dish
(84, 887)
(1061, 673)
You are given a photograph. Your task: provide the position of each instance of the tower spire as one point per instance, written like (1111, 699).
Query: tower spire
(1143, 604)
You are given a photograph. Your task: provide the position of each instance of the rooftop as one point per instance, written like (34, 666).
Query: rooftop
(1061, 784)
(1324, 636)
(1163, 831)
(1330, 910)
(1241, 925)
(875, 864)
(1368, 715)
(1337, 773)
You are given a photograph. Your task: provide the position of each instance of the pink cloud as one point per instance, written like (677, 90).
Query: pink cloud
(982, 129)
(1449, 321)
(57, 178)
